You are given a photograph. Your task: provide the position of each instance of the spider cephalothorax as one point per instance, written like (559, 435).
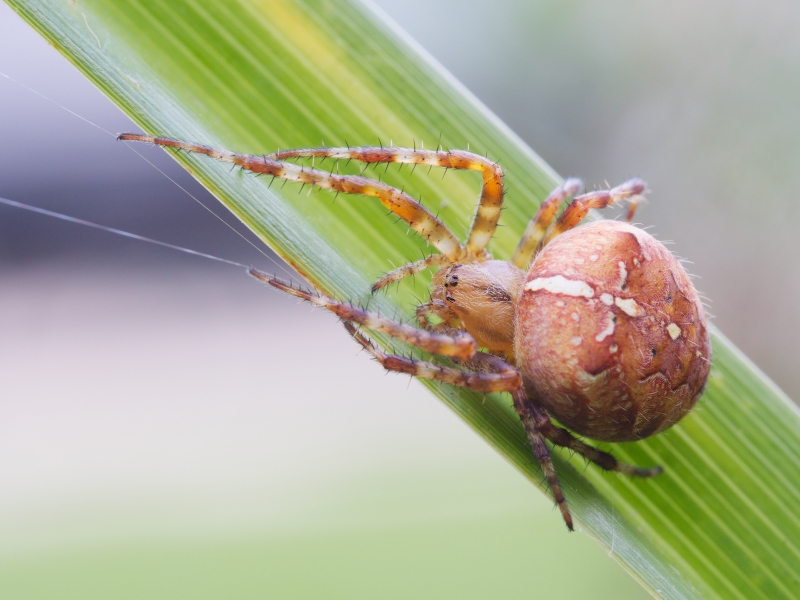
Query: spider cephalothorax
(603, 329)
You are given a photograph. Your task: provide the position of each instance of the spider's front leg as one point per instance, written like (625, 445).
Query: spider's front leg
(487, 213)
(419, 218)
(491, 199)
(459, 344)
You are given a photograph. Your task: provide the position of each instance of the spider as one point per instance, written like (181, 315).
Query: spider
(596, 325)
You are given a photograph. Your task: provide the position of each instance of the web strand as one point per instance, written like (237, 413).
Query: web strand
(50, 213)
(74, 114)
(125, 233)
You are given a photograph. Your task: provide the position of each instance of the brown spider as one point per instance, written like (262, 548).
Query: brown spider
(605, 331)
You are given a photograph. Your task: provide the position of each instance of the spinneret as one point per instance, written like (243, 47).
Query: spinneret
(604, 330)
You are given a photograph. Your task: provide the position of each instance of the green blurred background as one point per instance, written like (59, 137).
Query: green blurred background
(136, 460)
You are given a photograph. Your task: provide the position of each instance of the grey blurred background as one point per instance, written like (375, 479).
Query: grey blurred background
(188, 472)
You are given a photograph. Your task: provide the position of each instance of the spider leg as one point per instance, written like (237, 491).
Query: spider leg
(579, 207)
(419, 218)
(459, 344)
(528, 414)
(491, 199)
(633, 203)
(434, 260)
(482, 362)
(502, 380)
(541, 221)
(606, 461)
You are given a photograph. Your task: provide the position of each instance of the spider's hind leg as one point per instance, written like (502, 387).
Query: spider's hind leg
(605, 460)
(631, 191)
(537, 227)
(528, 414)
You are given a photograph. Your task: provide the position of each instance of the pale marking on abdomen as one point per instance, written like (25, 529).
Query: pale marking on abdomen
(559, 284)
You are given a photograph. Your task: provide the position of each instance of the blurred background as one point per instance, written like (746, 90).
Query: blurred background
(137, 460)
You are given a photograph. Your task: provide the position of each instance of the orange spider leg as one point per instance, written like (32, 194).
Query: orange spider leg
(404, 206)
(491, 199)
(434, 260)
(633, 204)
(505, 380)
(579, 207)
(458, 345)
(541, 221)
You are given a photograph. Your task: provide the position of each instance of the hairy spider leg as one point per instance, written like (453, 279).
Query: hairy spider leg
(538, 225)
(458, 345)
(606, 461)
(419, 218)
(491, 198)
(633, 204)
(434, 260)
(527, 413)
(579, 207)
(506, 379)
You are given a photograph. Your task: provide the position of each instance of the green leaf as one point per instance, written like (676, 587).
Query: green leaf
(257, 76)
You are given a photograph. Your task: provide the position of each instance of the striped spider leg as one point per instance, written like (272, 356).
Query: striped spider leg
(398, 202)
(536, 234)
(474, 296)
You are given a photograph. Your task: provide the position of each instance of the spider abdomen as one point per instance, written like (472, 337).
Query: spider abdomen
(610, 334)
